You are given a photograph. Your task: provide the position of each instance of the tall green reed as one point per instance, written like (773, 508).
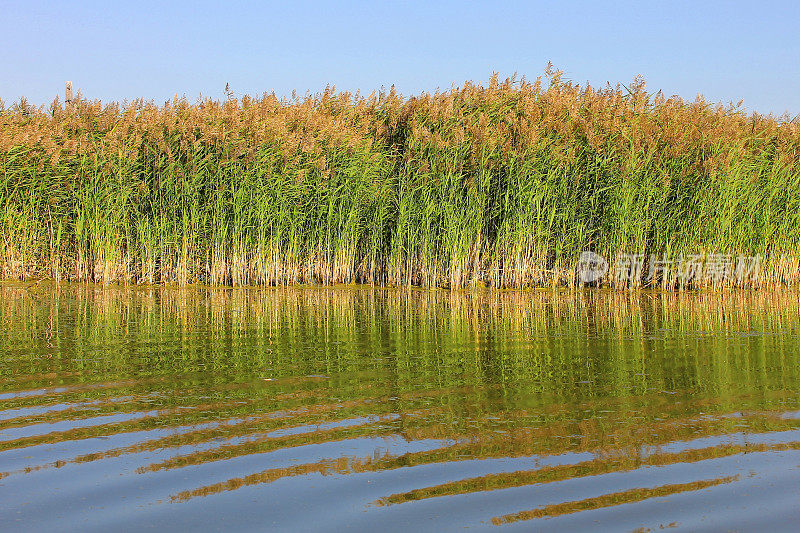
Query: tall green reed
(501, 185)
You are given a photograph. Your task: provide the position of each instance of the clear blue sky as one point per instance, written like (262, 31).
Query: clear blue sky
(122, 50)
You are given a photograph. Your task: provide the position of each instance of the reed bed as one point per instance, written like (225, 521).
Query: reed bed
(500, 185)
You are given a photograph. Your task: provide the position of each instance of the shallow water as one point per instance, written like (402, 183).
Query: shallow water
(326, 409)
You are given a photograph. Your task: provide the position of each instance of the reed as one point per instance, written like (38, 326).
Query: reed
(502, 184)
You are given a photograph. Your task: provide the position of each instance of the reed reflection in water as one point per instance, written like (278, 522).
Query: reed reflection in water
(323, 408)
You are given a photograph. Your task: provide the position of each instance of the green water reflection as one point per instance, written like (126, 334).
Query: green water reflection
(318, 408)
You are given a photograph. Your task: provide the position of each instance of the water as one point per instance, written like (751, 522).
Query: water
(328, 409)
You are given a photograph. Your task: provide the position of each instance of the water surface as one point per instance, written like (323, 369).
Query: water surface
(335, 408)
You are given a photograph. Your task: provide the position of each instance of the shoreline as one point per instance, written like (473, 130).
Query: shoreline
(48, 283)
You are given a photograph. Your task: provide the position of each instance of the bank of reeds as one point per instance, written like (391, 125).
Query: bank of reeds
(501, 185)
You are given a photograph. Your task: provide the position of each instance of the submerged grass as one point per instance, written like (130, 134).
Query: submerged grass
(501, 185)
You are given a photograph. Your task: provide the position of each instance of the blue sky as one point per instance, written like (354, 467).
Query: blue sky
(123, 50)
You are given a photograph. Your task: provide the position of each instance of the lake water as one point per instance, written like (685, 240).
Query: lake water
(358, 408)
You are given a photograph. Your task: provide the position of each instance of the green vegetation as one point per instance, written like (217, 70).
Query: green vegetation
(502, 185)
